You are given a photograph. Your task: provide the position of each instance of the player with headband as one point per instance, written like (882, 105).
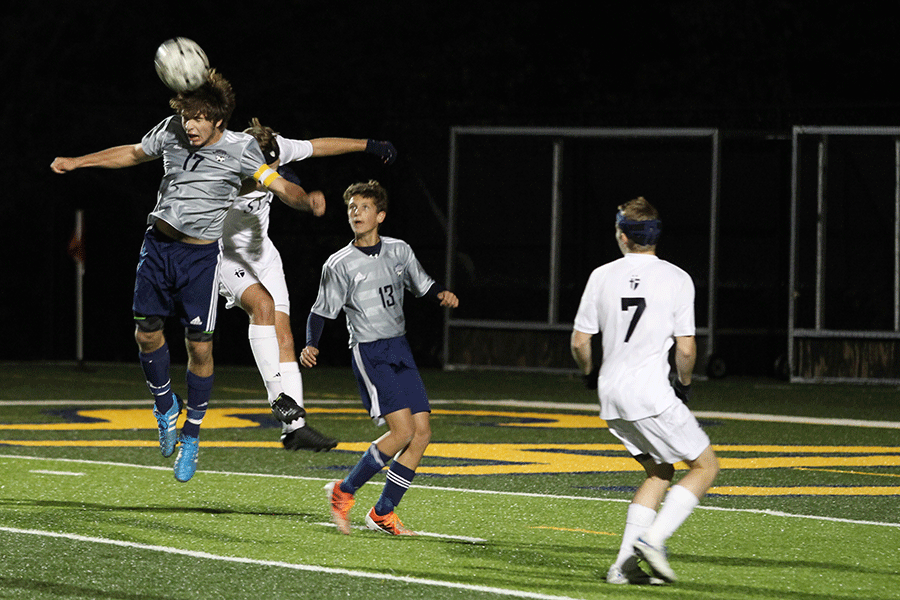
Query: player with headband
(643, 305)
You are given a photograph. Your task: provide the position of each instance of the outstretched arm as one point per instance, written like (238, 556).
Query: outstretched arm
(334, 146)
(116, 157)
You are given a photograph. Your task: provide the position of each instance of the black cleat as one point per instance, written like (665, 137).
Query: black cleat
(286, 409)
(307, 437)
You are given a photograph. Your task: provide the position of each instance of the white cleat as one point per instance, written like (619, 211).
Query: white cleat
(657, 558)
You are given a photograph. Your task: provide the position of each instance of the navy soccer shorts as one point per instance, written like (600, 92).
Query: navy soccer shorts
(388, 378)
(177, 279)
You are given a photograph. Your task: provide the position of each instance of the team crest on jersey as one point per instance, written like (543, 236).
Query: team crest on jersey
(634, 282)
(239, 272)
(221, 155)
(398, 269)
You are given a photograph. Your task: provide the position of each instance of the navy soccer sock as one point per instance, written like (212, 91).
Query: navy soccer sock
(156, 372)
(199, 391)
(399, 478)
(371, 462)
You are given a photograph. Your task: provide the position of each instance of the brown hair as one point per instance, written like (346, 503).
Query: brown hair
(266, 138)
(213, 100)
(639, 210)
(372, 190)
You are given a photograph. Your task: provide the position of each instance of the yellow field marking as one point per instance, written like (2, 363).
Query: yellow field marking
(574, 530)
(233, 417)
(493, 459)
(849, 472)
(498, 459)
(142, 418)
(129, 444)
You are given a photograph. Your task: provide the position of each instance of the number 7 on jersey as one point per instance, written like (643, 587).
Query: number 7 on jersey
(639, 305)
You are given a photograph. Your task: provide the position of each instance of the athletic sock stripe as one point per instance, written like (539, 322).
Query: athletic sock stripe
(397, 480)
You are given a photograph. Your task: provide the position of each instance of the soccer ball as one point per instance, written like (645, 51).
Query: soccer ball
(181, 64)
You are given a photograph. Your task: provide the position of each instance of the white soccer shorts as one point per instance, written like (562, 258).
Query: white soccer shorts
(240, 272)
(669, 437)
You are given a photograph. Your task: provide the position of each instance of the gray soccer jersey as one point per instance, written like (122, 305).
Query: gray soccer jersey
(370, 289)
(199, 184)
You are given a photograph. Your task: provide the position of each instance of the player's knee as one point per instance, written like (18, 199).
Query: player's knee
(712, 464)
(148, 333)
(260, 307)
(422, 435)
(199, 352)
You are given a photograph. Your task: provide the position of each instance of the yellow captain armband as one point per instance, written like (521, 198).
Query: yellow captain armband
(266, 175)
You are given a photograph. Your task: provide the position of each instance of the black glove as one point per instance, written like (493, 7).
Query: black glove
(682, 391)
(590, 380)
(385, 150)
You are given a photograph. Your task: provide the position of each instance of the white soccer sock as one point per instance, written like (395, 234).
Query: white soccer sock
(638, 519)
(264, 345)
(292, 384)
(677, 507)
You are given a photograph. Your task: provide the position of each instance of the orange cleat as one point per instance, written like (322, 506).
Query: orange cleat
(389, 523)
(341, 503)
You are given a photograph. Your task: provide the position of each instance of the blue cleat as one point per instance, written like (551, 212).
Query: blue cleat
(186, 461)
(166, 422)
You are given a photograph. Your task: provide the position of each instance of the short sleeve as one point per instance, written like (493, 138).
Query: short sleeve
(154, 141)
(587, 319)
(251, 158)
(684, 309)
(332, 292)
(293, 150)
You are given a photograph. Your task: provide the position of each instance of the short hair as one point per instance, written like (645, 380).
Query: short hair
(213, 100)
(266, 138)
(639, 210)
(370, 189)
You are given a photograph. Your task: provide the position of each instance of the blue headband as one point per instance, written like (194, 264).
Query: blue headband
(643, 233)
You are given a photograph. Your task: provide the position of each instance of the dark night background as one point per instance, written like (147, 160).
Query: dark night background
(79, 78)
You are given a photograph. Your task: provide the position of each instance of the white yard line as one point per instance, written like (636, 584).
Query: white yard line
(286, 565)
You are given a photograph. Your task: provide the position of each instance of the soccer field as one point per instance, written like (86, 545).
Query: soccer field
(522, 494)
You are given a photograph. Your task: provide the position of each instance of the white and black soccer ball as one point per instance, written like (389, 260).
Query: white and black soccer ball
(181, 64)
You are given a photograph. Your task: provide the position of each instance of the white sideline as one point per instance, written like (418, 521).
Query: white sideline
(286, 565)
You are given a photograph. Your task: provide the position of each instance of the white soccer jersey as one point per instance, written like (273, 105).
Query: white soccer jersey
(248, 254)
(199, 184)
(637, 303)
(247, 223)
(370, 289)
